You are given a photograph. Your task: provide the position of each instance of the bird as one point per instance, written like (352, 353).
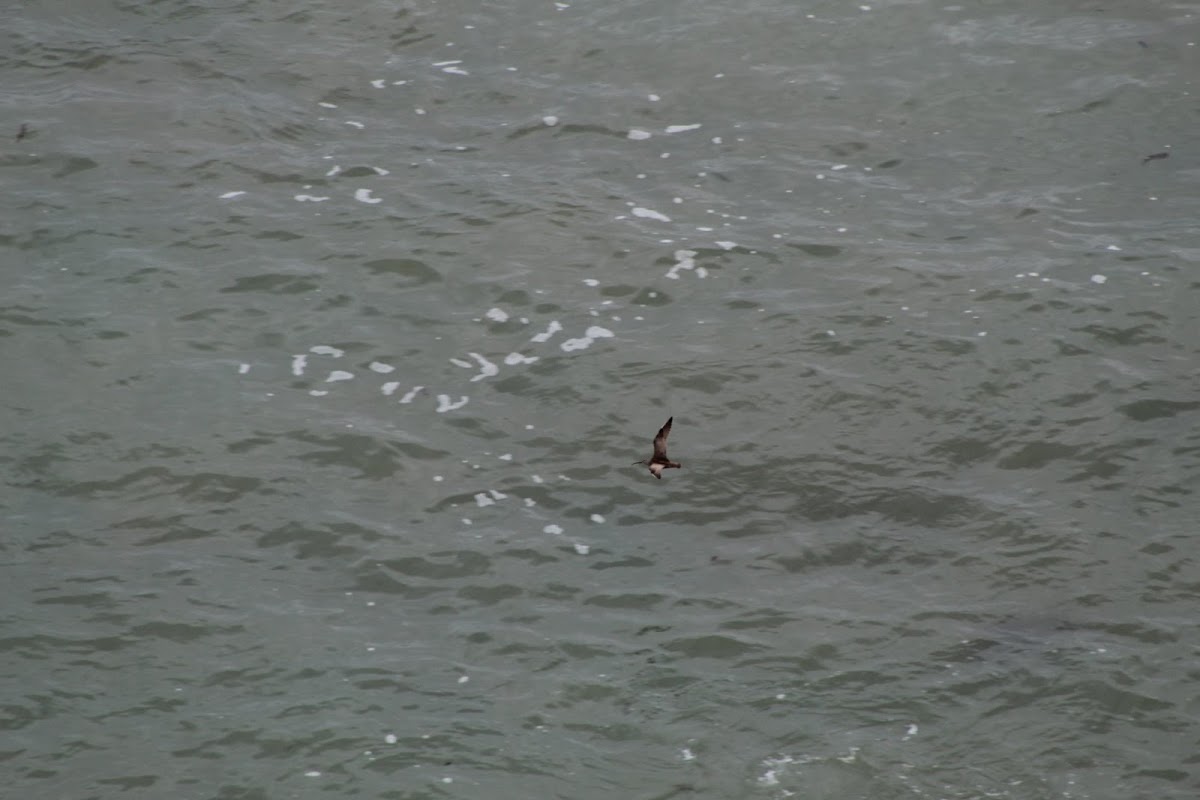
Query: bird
(659, 461)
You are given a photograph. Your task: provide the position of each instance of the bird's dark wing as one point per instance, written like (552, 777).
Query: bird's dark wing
(660, 441)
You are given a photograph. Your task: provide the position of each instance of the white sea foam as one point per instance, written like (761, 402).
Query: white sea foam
(684, 259)
(512, 359)
(649, 213)
(554, 327)
(444, 403)
(364, 196)
(486, 368)
(589, 337)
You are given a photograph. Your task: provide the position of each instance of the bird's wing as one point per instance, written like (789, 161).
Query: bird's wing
(660, 441)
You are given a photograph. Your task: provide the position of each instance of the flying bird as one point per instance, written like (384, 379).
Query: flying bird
(659, 461)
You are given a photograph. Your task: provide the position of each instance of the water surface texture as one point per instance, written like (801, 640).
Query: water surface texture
(330, 332)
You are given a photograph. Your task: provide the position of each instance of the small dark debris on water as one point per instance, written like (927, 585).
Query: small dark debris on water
(1155, 157)
(1143, 44)
(23, 131)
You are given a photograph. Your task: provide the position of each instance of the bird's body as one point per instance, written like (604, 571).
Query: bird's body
(659, 461)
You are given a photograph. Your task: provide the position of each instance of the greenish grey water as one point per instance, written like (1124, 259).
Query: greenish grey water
(329, 336)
